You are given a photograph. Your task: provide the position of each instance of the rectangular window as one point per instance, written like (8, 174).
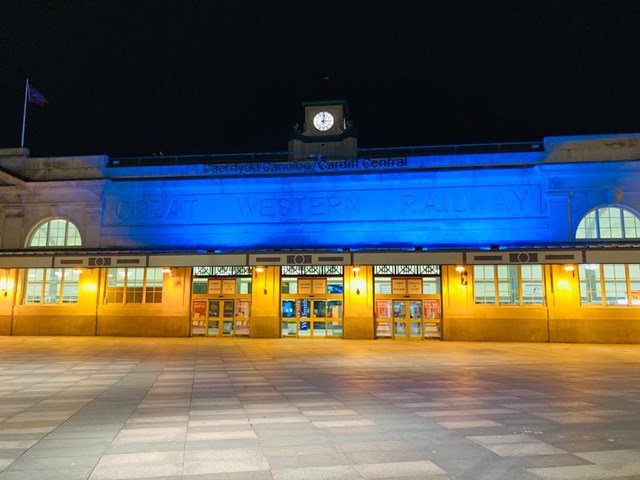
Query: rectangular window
(634, 283)
(610, 284)
(199, 285)
(590, 284)
(134, 285)
(484, 284)
(615, 285)
(290, 285)
(51, 285)
(532, 287)
(430, 285)
(508, 284)
(243, 285)
(382, 285)
(153, 288)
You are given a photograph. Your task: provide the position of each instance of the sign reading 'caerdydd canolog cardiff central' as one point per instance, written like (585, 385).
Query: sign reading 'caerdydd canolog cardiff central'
(304, 166)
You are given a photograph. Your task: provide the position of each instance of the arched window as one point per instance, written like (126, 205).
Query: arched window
(53, 285)
(609, 284)
(609, 222)
(55, 232)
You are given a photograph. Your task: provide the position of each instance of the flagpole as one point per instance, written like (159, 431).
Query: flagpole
(24, 112)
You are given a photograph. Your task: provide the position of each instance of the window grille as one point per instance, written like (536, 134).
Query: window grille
(412, 270)
(301, 270)
(222, 271)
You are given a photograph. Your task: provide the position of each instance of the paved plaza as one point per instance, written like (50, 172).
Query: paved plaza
(287, 409)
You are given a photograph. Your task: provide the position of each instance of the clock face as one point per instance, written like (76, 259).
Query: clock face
(323, 121)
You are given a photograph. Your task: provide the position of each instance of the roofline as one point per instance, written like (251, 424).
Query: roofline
(616, 252)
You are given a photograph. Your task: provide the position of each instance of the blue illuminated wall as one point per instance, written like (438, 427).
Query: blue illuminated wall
(431, 202)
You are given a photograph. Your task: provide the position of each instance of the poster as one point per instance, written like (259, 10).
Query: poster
(198, 314)
(304, 308)
(304, 286)
(243, 307)
(431, 309)
(398, 286)
(414, 286)
(383, 308)
(214, 286)
(199, 308)
(319, 286)
(229, 286)
(214, 308)
(227, 308)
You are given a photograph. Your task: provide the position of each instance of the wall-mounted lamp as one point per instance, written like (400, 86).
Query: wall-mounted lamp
(463, 274)
(355, 279)
(261, 270)
(171, 271)
(570, 268)
(4, 282)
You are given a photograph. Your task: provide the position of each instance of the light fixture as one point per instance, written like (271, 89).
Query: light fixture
(570, 268)
(171, 271)
(591, 266)
(260, 269)
(78, 270)
(356, 269)
(4, 283)
(463, 274)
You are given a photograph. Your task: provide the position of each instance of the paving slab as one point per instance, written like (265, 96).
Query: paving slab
(263, 409)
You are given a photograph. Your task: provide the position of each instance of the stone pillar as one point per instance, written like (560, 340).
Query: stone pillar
(265, 303)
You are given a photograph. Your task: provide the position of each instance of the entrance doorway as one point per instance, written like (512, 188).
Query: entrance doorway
(311, 317)
(311, 307)
(221, 307)
(407, 308)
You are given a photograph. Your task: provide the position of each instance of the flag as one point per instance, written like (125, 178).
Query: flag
(36, 96)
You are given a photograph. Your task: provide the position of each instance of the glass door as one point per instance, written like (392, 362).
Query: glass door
(228, 315)
(399, 319)
(334, 318)
(304, 317)
(407, 308)
(213, 321)
(407, 319)
(220, 317)
(415, 319)
(311, 307)
(308, 317)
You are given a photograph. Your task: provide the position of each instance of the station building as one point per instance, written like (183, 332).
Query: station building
(531, 242)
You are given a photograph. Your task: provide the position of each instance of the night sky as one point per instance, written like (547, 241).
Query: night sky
(139, 77)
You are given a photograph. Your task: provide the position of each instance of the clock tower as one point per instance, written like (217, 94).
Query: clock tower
(327, 131)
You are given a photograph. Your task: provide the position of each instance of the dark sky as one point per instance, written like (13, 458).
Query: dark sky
(137, 77)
